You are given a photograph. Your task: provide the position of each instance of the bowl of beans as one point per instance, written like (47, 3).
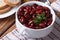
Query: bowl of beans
(35, 19)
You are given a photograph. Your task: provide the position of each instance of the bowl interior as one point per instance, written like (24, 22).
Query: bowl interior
(42, 4)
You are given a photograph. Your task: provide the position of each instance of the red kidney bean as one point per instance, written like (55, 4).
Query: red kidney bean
(46, 8)
(30, 9)
(31, 25)
(27, 16)
(25, 25)
(27, 7)
(50, 15)
(19, 17)
(26, 10)
(47, 15)
(34, 6)
(25, 13)
(33, 16)
(32, 12)
(49, 21)
(21, 8)
(39, 11)
(38, 27)
(39, 7)
(22, 19)
(42, 25)
(45, 22)
(46, 12)
(20, 13)
(30, 21)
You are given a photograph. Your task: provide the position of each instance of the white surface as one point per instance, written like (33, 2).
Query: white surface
(57, 20)
(14, 35)
(19, 36)
(35, 33)
(56, 6)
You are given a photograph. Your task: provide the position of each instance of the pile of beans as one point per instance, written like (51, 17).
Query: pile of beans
(26, 15)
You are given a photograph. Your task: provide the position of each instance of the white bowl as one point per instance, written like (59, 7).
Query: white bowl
(35, 33)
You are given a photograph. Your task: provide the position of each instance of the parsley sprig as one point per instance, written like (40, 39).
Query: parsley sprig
(39, 18)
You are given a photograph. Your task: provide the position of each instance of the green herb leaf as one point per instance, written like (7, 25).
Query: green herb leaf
(36, 21)
(44, 18)
(43, 15)
(39, 17)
